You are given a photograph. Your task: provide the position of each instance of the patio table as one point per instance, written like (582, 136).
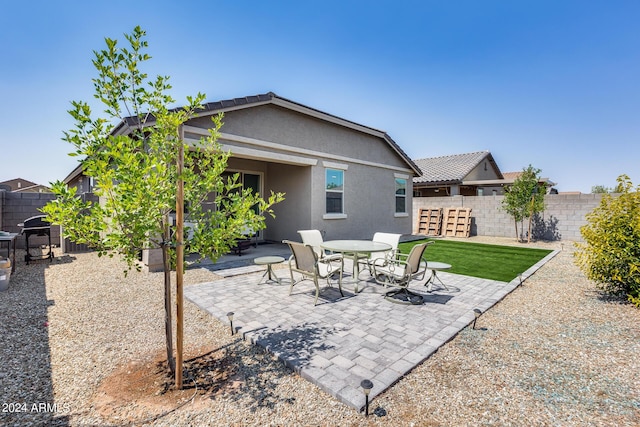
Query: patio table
(355, 247)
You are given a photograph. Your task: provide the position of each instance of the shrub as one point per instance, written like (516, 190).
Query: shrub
(610, 254)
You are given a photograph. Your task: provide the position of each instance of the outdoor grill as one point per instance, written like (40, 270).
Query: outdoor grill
(36, 225)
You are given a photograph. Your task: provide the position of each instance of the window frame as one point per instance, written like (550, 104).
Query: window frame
(342, 169)
(400, 177)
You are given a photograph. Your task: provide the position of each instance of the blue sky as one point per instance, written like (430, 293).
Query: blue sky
(555, 84)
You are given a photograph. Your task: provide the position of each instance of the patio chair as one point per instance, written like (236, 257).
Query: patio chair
(381, 257)
(305, 261)
(401, 272)
(314, 239)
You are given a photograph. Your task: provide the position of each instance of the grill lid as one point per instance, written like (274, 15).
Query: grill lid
(35, 222)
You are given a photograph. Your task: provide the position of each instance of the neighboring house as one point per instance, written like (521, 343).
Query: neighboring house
(24, 186)
(77, 178)
(470, 174)
(343, 178)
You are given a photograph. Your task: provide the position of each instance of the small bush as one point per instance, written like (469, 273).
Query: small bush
(610, 255)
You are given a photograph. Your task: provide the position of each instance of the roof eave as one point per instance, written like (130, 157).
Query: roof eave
(74, 173)
(437, 183)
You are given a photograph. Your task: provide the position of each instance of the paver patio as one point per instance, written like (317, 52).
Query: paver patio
(344, 340)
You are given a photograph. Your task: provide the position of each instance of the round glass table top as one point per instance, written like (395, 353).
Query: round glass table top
(360, 246)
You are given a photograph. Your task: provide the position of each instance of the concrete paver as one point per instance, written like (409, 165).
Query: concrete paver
(344, 340)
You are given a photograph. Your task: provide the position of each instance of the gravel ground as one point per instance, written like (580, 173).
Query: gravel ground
(552, 353)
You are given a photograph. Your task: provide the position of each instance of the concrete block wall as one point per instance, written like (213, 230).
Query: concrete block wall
(561, 220)
(16, 207)
(569, 211)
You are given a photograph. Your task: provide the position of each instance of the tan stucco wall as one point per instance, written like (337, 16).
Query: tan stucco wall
(279, 125)
(294, 213)
(294, 150)
(479, 172)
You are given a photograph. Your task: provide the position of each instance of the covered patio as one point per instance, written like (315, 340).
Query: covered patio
(344, 340)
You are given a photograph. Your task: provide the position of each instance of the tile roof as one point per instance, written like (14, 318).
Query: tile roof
(449, 169)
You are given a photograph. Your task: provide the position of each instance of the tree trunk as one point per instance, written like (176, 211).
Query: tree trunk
(179, 259)
(168, 318)
(533, 199)
(515, 223)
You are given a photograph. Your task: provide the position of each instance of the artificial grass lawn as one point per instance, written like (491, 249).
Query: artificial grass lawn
(494, 262)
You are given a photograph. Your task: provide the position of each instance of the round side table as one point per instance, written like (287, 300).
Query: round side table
(435, 267)
(269, 261)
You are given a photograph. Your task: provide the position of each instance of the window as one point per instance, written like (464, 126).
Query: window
(334, 186)
(401, 195)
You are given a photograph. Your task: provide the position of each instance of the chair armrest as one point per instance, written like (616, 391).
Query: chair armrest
(395, 273)
(379, 262)
(400, 256)
(391, 267)
(329, 262)
(403, 257)
(331, 257)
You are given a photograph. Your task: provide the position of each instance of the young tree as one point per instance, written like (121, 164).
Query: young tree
(144, 171)
(610, 254)
(524, 199)
(600, 189)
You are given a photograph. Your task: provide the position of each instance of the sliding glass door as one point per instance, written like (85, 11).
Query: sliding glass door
(252, 181)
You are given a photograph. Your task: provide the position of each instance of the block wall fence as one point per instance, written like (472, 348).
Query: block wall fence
(561, 220)
(16, 207)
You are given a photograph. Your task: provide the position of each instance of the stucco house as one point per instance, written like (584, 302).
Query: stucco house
(468, 174)
(19, 185)
(77, 179)
(346, 179)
